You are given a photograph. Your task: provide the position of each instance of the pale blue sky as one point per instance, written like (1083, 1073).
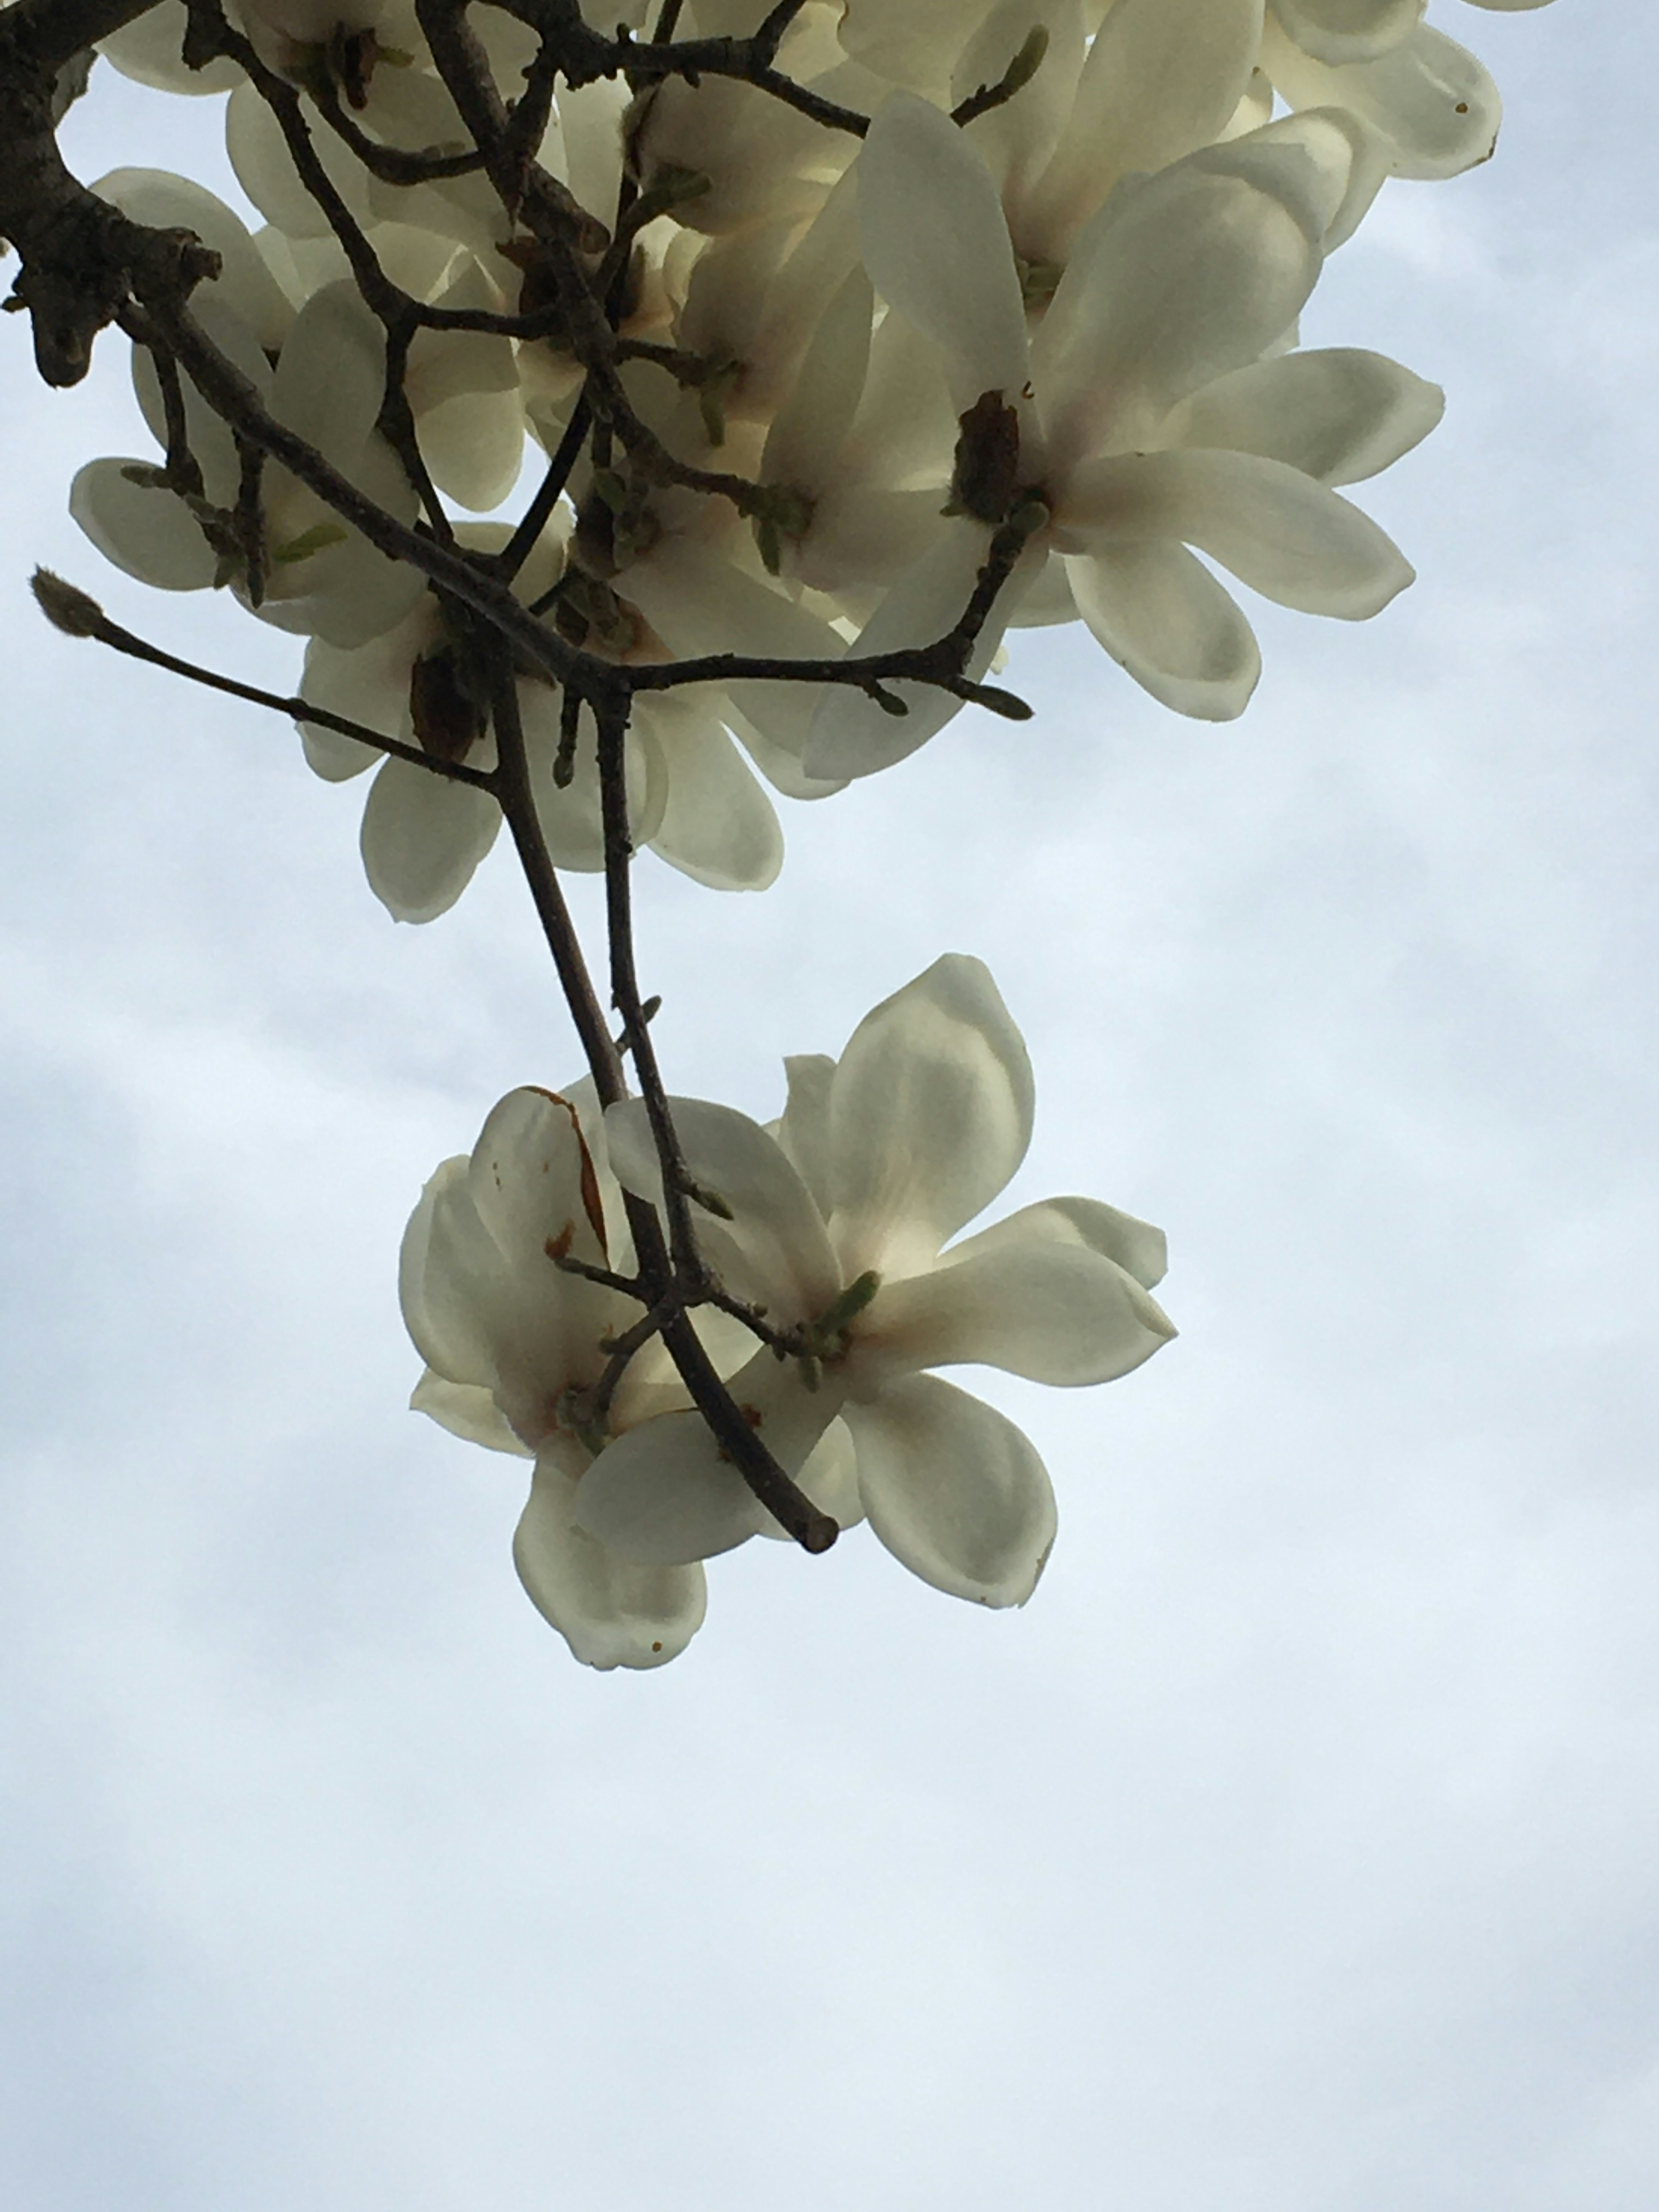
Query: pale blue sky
(1297, 1849)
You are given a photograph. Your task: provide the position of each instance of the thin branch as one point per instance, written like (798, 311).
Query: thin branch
(78, 615)
(539, 512)
(782, 1497)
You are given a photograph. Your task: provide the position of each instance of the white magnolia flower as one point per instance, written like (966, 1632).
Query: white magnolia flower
(1431, 106)
(842, 1228)
(1145, 416)
(1360, 30)
(510, 1340)
(319, 577)
(691, 797)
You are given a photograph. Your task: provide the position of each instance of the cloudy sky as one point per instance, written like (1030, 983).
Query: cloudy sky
(1297, 1849)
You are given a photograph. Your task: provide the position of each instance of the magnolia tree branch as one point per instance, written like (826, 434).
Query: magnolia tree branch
(84, 264)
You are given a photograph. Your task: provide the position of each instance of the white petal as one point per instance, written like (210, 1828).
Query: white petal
(150, 51)
(534, 1182)
(1177, 280)
(1137, 1247)
(572, 816)
(1429, 97)
(265, 171)
(690, 594)
(611, 1612)
(937, 248)
(1293, 540)
(1163, 77)
(810, 428)
(147, 532)
(330, 383)
(1053, 1312)
(444, 1257)
(930, 1113)
(368, 683)
(954, 1490)
(850, 735)
(666, 1493)
(804, 1131)
(1348, 30)
(467, 1411)
(1339, 413)
(244, 286)
(830, 1480)
(774, 1250)
(718, 825)
(422, 839)
(1163, 617)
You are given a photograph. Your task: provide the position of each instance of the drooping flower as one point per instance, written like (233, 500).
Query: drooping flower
(1130, 443)
(841, 1230)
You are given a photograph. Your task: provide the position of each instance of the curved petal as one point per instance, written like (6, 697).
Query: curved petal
(330, 383)
(473, 447)
(1167, 622)
(936, 245)
(572, 815)
(852, 736)
(1177, 280)
(1339, 413)
(930, 1113)
(774, 1249)
(611, 1612)
(1295, 541)
(534, 1182)
(1348, 30)
(245, 286)
(811, 427)
(366, 683)
(1138, 1247)
(422, 838)
(689, 593)
(1053, 1312)
(804, 1130)
(142, 527)
(150, 51)
(954, 1490)
(665, 1493)
(718, 826)
(1163, 77)
(466, 1410)
(444, 1258)
(1432, 102)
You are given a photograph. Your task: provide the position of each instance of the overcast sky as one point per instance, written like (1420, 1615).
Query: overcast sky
(1297, 1849)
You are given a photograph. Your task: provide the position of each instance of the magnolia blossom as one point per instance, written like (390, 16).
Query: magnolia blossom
(691, 797)
(841, 1227)
(512, 1342)
(840, 1231)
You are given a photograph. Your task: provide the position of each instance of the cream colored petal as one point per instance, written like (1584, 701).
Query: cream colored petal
(611, 1611)
(1348, 30)
(954, 1490)
(1428, 97)
(936, 245)
(467, 1411)
(718, 826)
(1295, 541)
(1161, 79)
(1166, 620)
(1052, 1311)
(930, 1113)
(1339, 414)
(1137, 1247)
(422, 839)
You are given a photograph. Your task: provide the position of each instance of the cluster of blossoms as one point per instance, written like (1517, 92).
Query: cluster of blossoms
(847, 335)
(830, 1232)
